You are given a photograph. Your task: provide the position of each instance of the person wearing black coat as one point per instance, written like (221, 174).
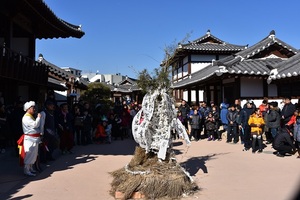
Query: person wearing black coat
(184, 108)
(273, 119)
(283, 143)
(287, 111)
(248, 110)
(232, 125)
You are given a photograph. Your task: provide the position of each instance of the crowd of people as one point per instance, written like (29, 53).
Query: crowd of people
(253, 126)
(36, 134)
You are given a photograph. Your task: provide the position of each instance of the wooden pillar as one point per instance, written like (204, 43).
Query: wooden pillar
(189, 97)
(197, 95)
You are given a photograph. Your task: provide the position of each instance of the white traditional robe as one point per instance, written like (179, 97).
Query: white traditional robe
(31, 126)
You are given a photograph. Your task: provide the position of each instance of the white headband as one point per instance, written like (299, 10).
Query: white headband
(28, 104)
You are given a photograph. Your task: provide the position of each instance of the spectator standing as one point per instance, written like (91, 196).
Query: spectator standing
(210, 124)
(273, 117)
(287, 111)
(204, 110)
(256, 122)
(86, 130)
(216, 116)
(223, 114)
(125, 123)
(78, 125)
(297, 133)
(50, 137)
(195, 125)
(65, 130)
(15, 123)
(247, 111)
(184, 108)
(263, 107)
(232, 125)
(240, 122)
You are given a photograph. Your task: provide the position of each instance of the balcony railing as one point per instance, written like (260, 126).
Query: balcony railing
(15, 66)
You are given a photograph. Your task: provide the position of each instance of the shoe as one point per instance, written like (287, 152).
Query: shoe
(279, 155)
(33, 171)
(245, 149)
(269, 142)
(28, 173)
(298, 156)
(209, 139)
(253, 151)
(260, 151)
(275, 152)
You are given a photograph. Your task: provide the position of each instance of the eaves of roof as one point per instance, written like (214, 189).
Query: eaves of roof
(53, 69)
(213, 47)
(44, 22)
(56, 85)
(255, 67)
(286, 69)
(263, 44)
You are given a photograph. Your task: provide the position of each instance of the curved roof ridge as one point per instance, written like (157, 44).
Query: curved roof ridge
(265, 43)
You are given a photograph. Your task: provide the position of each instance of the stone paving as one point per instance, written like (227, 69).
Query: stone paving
(221, 170)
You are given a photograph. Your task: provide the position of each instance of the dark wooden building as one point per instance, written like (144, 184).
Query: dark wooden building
(21, 23)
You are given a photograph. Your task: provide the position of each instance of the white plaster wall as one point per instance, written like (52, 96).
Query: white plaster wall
(198, 66)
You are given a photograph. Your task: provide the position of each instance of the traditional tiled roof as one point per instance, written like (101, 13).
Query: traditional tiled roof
(285, 69)
(122, 88)
(261, 46)
(55, 70)
(251, 61)
(55, 84)
(210, 43)
(62, 74)
(207, 44)
(45, 23)
(127, 85)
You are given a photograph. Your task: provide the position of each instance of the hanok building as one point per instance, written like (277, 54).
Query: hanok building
(193, 57)
(244, 74)
(66, 83)
(286, 76)
(122, 88)
(22, 22)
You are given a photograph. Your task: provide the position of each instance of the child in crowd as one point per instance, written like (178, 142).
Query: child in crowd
(210, 124)
(103, 132)
(256, 122)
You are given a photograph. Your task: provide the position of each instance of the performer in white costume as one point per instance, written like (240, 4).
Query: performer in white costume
(32, 132)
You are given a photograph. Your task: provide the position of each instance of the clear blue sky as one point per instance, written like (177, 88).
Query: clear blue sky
(128, 36)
